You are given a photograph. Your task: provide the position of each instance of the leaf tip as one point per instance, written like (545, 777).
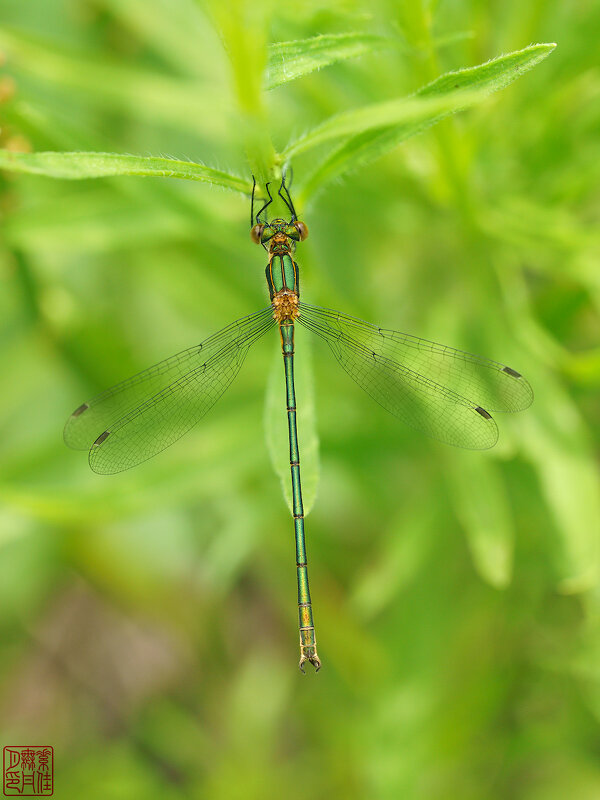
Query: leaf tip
(547, 47)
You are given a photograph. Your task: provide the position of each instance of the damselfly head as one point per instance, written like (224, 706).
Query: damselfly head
(283, 234)
(295, 230)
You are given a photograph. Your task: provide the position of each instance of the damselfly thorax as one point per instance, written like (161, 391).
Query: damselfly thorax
(282, 271)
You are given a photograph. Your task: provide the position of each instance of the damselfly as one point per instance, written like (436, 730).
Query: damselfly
(445, 393)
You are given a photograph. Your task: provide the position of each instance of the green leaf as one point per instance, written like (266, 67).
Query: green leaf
(414, 112)
(482, 507)
(76, 166)
(290, 60)
(559, 444)
(276, 426)
(492, 75)
(375, 130)
(573, 495)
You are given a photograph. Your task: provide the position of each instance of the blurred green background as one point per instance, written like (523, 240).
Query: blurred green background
(148, 620)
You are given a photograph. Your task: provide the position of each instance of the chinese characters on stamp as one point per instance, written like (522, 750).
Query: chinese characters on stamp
(28, 771)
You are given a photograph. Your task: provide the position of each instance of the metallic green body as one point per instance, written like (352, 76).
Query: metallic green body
(308, 643)
(282, 274)
(284, 291)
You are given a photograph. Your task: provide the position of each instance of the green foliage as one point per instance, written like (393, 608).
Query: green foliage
(103, 165)
(290, 60)
(365, 133)
(148, 620)
(375, 130)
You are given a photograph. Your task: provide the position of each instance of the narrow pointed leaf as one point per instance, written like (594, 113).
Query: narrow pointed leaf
(460, 89)
(76, 166)
(482, 507)
(572, 491)
(290, 60)
(558, 443)
(415, 112)
(492, 75)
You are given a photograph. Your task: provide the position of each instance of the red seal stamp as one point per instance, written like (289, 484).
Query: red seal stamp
(28, 771)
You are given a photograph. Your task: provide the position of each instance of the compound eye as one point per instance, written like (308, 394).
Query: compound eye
(302, 229)
(256, 233)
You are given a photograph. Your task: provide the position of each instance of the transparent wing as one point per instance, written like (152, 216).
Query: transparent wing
(438, 390)
(137, 418)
